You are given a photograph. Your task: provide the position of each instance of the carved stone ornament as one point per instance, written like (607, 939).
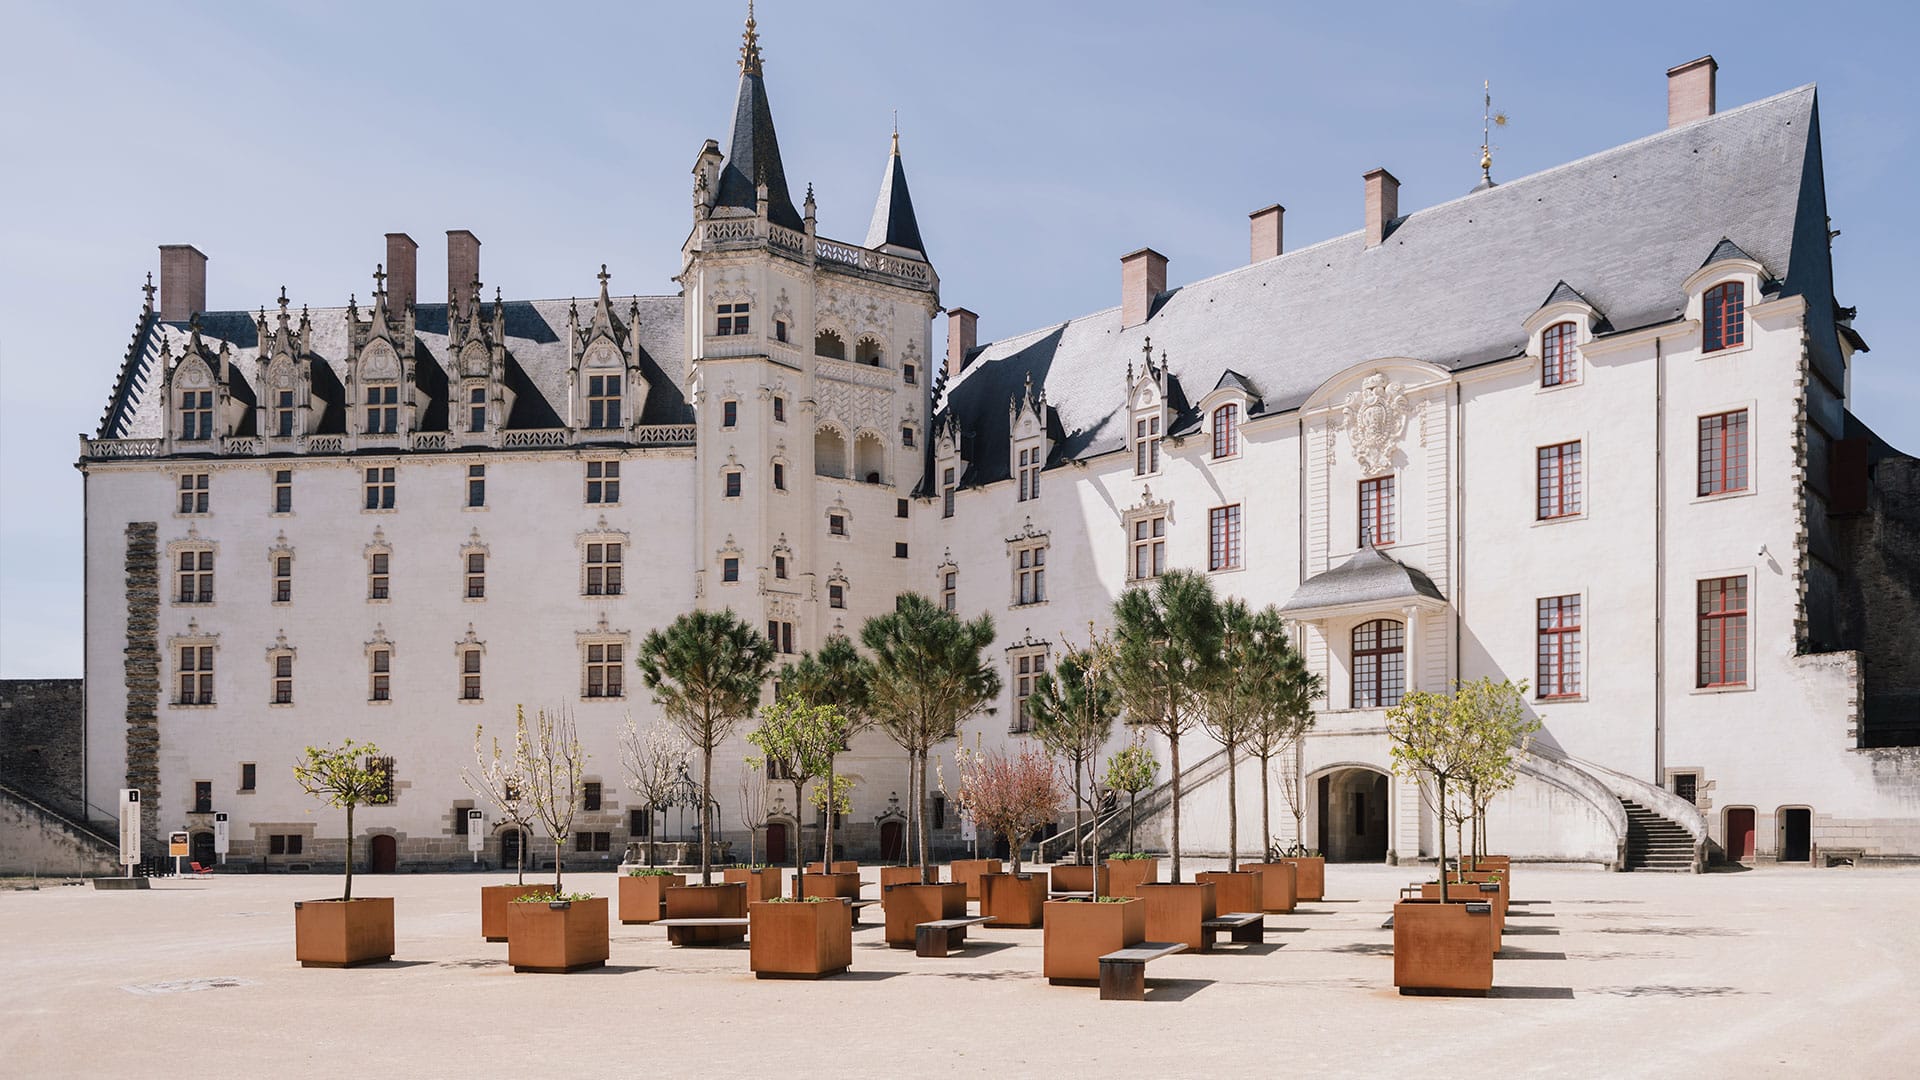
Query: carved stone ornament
(1376, 417)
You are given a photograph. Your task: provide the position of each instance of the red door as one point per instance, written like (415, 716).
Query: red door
(1740, 834)
(893, 841)
(777, 854)
(384, 855)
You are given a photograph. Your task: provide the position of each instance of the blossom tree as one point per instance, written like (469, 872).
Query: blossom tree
(1011, 794)
(501, 779)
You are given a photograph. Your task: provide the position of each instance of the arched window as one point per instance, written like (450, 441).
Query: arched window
(1226, 430)
(1723, 318)
(867, 351)
(827, 343)
(829, 453)
(1559, 362)
(1379, 664)
(869, 458)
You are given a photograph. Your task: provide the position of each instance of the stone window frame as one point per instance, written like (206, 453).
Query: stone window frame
(194, 488)
(947, 584)
(204, 575)
(381, 483)
(277, 652)
(470, 663)
(837, 580)
(1145, 511)
(476, 474)
(474, 546)
(375, 646)
(839, 509)
(1027, 566)
(1035, 653)
(379, 583)
(603, 481)
(729, 550)
(274, 488)
(602, 636)
(194, 638)
(781, 564)
(611, 569)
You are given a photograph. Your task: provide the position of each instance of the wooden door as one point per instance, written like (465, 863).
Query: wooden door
(510, 840)
(1740, 834)
(893, 841)
(1796, 835)
(777, 853)
(383, 855)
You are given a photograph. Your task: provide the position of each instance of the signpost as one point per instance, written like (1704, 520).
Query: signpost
(220, 836)
(969, 833)
(476, 833)
(129, 828)
(178, 845)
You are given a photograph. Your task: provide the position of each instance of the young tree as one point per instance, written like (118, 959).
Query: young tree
(836, 676)
(555, 768)
(793, 739)
(1497, 728)
(1132, 769)
(1168, 645)
(1073, 709)
(927, 678)
(1011, 795)
(706, 670)
(653, 760)
(344, 777)
(1428, 744)
(1255, 654)
(1284, 715)
(501, 779)
(753, 810)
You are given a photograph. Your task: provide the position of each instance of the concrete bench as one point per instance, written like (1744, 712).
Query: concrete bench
(941, 936)
(680, 931)
(1123, 973)
(1248, 926)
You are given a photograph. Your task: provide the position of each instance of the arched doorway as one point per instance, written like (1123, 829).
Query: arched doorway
(1796, 834)
(1739, 834)
(202, 849)
(893, 841)
(511, 843)
(1351, 805)
(383, 854)
(777, 851)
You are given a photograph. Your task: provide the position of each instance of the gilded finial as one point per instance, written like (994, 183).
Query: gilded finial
(1488, 121)
(896, 133)
(149, 289)
(750, 46)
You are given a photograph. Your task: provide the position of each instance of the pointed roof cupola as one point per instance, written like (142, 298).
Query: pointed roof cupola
(753, 151)
(893, 222)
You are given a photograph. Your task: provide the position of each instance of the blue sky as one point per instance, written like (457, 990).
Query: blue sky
(1042, 141)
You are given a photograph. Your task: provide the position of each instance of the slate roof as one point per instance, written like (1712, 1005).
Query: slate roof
(1368, 577)
(753, 151)
(1452, 284)
(893, 221)
(537, 364)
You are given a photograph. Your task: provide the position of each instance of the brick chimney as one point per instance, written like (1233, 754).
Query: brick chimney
(183, 282)
(1265, 230)
(403, 279)
(963, 334)
(1383, 204)
(1690, 91)
(1143, 276)
(463, 269)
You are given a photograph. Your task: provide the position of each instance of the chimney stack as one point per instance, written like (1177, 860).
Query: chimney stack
(1690, 91)
(183, 282)
(1383, 204)
(962, 335)
(1143, 276)
(1266, 232)
(463, 269)
(403, 281)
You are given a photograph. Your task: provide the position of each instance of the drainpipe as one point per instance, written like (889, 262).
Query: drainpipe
(1659, 562)
(1459, 526)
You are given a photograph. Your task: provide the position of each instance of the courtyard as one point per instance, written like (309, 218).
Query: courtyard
(1772, 972)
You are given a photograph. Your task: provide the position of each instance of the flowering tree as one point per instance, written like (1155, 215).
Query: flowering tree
(1010, 794)
(1132, 769)
(501, 780)
(1073, 709)
(555, 766)
(343, 777)
(654, 760)
(1428, 745)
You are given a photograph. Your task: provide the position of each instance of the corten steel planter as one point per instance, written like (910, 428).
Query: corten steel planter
(1278, 889)
(1500, 864)
(1175, 912)
(762, 883)
(1015, 900)
(1442, 947)
(1463, 892)
(968, 871)
(1079, 932)
(343, 933)
(831, 885)
(800, 940)
(1310, 876)
(558, 936)
(493, 907)
(643, 897)
(904, 875)
(910, 905)
(1124, 874)
(1236, 892)
(1080, 879)
(1498, 897)
(845, 866)
(724, 901)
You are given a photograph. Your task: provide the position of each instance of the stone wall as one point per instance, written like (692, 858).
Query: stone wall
(41, 745)
(1880, 601)
(36, 841)
(143, 673)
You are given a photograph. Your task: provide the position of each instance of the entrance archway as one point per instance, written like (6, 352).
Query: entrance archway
(1352, 812)
(893, 841)
(777, 852)
(511, 841)
(1796, 834)
(383, 854)
(1740, 834)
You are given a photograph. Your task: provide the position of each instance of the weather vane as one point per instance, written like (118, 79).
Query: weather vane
(1488, 121)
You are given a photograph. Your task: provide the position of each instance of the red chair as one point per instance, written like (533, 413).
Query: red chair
(201, 871)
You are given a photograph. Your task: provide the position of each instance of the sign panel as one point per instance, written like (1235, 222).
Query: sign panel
(220, 833)
(177, 843)
(129, 826)
(476, 831)
(968, 832)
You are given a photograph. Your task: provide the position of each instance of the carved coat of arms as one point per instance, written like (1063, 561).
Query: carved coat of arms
(1376, 416)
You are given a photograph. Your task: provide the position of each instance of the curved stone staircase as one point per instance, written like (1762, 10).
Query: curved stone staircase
(1655, 843)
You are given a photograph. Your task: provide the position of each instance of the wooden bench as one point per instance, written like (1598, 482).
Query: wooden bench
(856, 905)
(1069, 896)
(941, 936)
(680, 931)
(1123, 972)
(1248, 926)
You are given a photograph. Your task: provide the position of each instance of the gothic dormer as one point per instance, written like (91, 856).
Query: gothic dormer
(1148, 411)
(479, 401)
(284, 378)
(383, 401)
(201, 407)
(608, 390)
(1028, 444)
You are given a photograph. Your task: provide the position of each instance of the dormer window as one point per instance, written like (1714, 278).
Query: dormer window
(383, 408)
(196, 415)
(477, 408)
(1226, 430)
(1029, 473)
(1723, 317)
(1146, 446)
(283, 414)
(603, 401)
(1559, 358)
(733, 320)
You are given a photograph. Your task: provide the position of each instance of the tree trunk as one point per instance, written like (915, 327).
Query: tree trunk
(1266, 783)
(1173, 755)
(347, 892)
(706, 812)
(1133, 815)
(653, 840)
(1233, 812)
(559, 844)
(833, 803)
(1440, 783)
(799, 858)
(1299, 801)
(920, 772)
(520, 853)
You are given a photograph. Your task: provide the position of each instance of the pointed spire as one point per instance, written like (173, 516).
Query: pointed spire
(753, 150)
(750, 46)
(894, 224)
(150, 290)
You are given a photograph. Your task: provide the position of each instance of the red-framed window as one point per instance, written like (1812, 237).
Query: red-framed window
(1226, 430)
(1723, 319)
(1723, 632)
(1723, 452)
(1379, 664)
(1223, 543)
(1559, 481)
(1559, 360)
(1376, 511)
(1559, 647)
